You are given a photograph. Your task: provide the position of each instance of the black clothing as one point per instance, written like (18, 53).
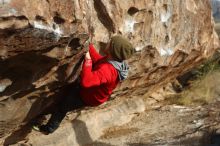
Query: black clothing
(71, 102)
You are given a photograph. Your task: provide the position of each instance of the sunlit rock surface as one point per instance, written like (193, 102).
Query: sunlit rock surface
(41, 47)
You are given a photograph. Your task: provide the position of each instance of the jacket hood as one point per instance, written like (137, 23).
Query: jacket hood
(122, 68)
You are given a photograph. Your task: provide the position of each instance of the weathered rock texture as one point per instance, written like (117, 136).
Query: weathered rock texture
(40, 47)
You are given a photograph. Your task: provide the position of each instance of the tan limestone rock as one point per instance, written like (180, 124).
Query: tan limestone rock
(41, 53)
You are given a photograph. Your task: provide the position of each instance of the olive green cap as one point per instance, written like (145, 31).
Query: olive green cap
(121, 49)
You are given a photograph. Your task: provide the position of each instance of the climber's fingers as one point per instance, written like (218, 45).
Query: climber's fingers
(87, 56)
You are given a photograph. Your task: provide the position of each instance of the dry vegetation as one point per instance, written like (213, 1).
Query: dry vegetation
(204, 86)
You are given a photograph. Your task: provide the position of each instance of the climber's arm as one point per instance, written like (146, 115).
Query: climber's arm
(95, 56)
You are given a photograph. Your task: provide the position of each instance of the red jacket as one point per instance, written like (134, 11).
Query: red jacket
(98, 79)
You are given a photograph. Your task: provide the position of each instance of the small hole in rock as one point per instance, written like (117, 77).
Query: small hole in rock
(132, 10)
(75, 43)
(166, 38)
(165, 7)
(58, 19)
(150, 12)
(22, 18)
(39, 18)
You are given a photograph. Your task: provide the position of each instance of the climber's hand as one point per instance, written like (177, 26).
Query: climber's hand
(87, 56)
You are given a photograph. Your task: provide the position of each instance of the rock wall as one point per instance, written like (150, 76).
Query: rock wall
(41, 47)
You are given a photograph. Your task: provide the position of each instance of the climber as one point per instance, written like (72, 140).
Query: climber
(99, 77)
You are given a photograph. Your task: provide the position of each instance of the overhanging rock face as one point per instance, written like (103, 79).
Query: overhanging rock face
(40, 46)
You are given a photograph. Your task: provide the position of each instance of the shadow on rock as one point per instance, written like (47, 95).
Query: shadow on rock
(41, 105)
(18, 135)
(23, 70)
(98, 144)
(82, 133)
(193, 141)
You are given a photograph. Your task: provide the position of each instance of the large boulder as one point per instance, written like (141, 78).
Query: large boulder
(41, 47)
